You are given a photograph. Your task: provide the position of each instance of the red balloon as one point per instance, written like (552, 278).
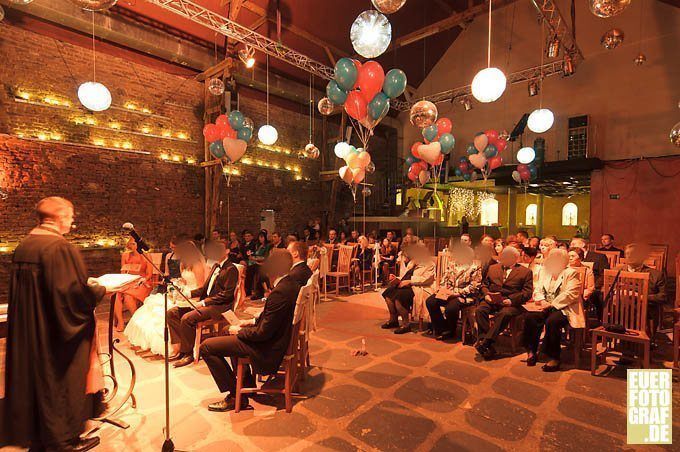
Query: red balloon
(357, 63)
(492, 135)
(522, 167)
(495, 162)
(225, 130)
(222, 120)
(355, 105)
(444, 125)
(370, 80)
(414, 149)
(464, 166)
(413, 172)
(525, 175)
(211, 132)
(229, 133)
(501, 144)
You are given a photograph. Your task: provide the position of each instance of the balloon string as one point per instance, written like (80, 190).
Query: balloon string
(488, 57)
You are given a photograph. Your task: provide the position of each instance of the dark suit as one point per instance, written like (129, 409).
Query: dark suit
(600, 264)
(182, 321)
(265, 343)
(517, 287)
(300, 273)
(612, 248)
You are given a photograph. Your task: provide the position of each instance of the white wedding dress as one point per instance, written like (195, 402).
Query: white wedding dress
(145, 328)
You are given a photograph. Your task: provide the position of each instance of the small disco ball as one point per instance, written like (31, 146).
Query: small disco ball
(216, 87)
(366, 192)
(370, 168)
(247, 122)
(311, 151)
(423, 114)
(21, 2)
(675, 135)
(607, 8)
(94, 5)
(504, 135)
(612, 39)
(325, 106)
(388, 6)
(640, 59)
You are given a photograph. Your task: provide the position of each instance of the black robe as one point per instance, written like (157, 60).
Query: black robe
(51, 326)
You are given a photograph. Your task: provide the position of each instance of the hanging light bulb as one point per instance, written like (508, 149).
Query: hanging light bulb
(489, 84)
(247, 56)
(526, 155)
(267, 134)
(540, 120)
(370, 34)
(94, 96)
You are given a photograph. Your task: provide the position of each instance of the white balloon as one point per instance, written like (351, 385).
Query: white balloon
(488, 85)
(341, 150)
(526, 155)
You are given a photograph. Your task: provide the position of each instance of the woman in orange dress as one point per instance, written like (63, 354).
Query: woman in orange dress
(132, 262)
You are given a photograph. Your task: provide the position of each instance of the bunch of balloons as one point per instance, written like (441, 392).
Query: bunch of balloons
(525, 173)
(466, 170)
(229, 136)
(358, 163)
(437, 142)
(365, 92)
(484, 151)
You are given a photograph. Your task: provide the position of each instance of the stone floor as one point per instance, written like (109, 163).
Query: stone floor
(409, 393)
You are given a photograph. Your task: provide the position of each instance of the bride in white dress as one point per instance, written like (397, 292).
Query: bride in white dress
(145, 328)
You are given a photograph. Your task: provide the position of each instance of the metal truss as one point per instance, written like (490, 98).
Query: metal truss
(220, 24)
(558, 28)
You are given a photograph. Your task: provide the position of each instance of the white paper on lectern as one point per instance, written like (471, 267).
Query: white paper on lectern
(115, 282)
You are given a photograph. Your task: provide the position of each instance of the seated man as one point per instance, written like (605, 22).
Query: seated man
(265, 342)
(506, 288)
(636, 254)
(607, 241)
(300, 271)
(216, 296)
(600, 264)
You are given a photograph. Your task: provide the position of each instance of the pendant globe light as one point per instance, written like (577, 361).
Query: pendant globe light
(267, 134)
(93, 95)
(541, 119)
(489, 84)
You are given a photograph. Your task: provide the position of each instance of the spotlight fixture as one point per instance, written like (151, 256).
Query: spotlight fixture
(533, 88)
(467, 103)
(567, 66)
(247, 56)
(554, 47)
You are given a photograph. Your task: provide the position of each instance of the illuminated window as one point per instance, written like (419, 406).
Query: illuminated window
(531, 215)
(489, 212)
(569, 214)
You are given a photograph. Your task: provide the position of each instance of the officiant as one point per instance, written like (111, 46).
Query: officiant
(50, 390)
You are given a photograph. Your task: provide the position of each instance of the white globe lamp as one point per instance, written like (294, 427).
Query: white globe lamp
(267, 135)
(526, 155)
(488, 85)
(540, 120)
(94, 96)
(341, 149)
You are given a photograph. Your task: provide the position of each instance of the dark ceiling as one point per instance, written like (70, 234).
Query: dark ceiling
(312, 26)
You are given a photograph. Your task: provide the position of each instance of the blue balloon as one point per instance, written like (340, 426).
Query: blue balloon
(459, 173)
(533, 171)
(379, 106)
(467, 176)
(236, 119)
(217, 149)
(447, 142)
(346, 73)
(462, 160)
(471, 149)
(336, 94)
(244, 134)
(395, 83)
(430, 132)
(490, 151)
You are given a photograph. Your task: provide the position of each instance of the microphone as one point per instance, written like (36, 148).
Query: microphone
(141, 244)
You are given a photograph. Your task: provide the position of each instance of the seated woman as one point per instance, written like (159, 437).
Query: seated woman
(255, 281)
(459, 287)
(362, 262)
(498, 246)
(343, 238)
(388, 257)
(418, 276)
(145, 328)
(559, 291)
(131, 262)
(235, 249)
(576, 256)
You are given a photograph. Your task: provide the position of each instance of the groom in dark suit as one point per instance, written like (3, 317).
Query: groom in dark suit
(216, 296)
(506, 287)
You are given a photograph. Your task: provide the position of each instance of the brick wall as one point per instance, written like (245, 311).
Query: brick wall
(68, 151)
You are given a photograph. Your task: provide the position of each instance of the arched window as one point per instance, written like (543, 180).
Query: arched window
(531, 215)
(569, 214)
(489, 212)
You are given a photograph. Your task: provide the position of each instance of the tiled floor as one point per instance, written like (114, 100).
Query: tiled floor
(409, 393)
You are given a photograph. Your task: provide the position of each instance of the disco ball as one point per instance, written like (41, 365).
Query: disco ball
(21, 2)
(675, 135)
(216, 87)
(311, 151)
(325, 106)
(388, 6)
(423, 114)
(607, 8)
(370, 34)
(94, 5)
(504, 135)
(612, 38)
(247, 122)
(366, 192)
(640, 59)
(370, 168)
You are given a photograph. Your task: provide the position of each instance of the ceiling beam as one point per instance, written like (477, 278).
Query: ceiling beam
(452, 21)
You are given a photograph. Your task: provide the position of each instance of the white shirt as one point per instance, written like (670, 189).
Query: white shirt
(215, 273)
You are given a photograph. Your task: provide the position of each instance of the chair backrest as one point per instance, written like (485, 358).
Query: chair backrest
(612, 257)
(628, 304)
(651, 263)
(589, 264)
(344, 258)
(592, 246)
(240, 291)
(662, 250)
(395, 245)
(656, 260)
(299, 316)
(330, 249)
(442, 263)
(581, 277)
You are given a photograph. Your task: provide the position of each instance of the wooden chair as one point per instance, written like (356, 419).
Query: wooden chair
(627, 307)
(343, 270)
(289, 368)
(612, 257)
(214, 327)
(442, 264)
(308, 325)
(662, 251)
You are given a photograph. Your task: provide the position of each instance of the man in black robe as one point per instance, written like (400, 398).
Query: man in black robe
(51, 328)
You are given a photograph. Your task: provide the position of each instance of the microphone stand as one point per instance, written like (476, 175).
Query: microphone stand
(168, 445)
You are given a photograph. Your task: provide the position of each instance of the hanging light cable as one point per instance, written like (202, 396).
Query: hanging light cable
(267, 133)
(93, 95)
(311, 151)
(489, 84)
(541, 120)
(640, 58)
